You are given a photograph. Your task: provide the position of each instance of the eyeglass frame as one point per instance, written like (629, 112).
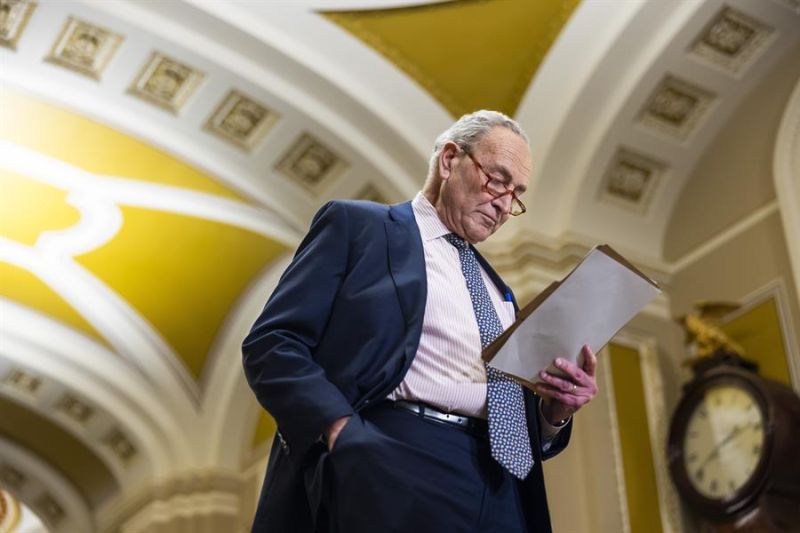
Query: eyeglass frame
(514, 197)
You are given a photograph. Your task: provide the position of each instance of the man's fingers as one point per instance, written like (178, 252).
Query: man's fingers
(557, 382)
(576, 375)
(569, 400)
(544, 389)
(589, 360)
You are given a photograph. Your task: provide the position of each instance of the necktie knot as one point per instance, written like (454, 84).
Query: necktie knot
(457, 241)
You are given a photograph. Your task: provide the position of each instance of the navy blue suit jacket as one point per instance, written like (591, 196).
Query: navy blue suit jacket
(339, 333)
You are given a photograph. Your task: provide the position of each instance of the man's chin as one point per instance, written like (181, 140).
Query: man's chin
(479, 234)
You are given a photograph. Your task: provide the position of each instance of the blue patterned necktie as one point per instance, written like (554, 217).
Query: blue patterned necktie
(508, 430)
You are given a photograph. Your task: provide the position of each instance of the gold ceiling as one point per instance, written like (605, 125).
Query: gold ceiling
(181, 274)
(468, 54)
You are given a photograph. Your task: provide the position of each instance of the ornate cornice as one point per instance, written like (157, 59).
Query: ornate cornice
(192, 499)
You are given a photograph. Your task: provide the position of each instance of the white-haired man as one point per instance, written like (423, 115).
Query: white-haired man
(368, 355)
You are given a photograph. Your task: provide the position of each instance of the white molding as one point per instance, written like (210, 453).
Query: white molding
(98, 198)
(777, 290)
(202, 512)
(618, 66)
(349, 65)
(628, 53)
(92, 190)
(574, 60)
(296, 68)
(103, 378)
(619, 468)
(723, 238)
(123, 327)
(205, 500)
(123, 119)
(786, 170)
(228, 414)
(42, 478)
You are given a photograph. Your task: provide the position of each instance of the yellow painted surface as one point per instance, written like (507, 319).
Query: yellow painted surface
(758, 331)
(29, 207)
(637, 455)
(95, 147)
(265, 428)
(469, 54)
(183, 274)
(25, 288)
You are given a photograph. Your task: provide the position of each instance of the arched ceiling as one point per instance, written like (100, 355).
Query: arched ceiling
(648, 108)
(470, 54)
(160, 159)
(736, 168)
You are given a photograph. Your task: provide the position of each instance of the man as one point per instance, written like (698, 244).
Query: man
(368, 357)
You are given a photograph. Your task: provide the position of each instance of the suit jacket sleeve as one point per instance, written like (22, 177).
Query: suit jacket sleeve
(279, 351)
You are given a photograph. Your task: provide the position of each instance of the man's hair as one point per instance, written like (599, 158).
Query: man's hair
(467, 131)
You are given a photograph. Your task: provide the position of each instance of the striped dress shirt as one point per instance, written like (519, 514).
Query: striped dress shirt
(447, 371)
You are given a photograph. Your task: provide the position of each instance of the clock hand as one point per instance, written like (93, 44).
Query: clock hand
(730, 436)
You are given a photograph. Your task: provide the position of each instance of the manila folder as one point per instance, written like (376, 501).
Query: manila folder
(589, 306)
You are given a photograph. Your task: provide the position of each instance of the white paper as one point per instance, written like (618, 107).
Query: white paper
(589, 307)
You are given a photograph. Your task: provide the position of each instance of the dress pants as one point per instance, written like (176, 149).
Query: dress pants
(393, 471)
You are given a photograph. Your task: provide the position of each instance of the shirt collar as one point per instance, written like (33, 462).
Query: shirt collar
(430, 225)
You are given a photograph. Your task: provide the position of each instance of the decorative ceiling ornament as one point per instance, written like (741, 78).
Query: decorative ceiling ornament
(166, 82)
(14, 16)
(50, 509)
(75, 409)
(84, 47)
(732, 41)
(11, 477)
(631, 179)
(23, 381)
(676, 108)
(311, 163)
(122, 448)
(241, 120)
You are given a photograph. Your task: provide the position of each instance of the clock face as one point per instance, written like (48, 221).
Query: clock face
(723, 441)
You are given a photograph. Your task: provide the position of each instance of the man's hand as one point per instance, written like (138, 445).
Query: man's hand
(333, 431)
(562, 397)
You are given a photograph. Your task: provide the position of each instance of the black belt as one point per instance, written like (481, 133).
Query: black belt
(466, 423)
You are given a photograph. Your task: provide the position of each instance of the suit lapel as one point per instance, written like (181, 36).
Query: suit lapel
(504, 289)
(407, 263)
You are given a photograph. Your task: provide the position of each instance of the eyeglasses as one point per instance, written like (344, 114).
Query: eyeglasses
(497, 188)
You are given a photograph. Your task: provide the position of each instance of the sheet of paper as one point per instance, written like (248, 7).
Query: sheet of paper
(594, 302)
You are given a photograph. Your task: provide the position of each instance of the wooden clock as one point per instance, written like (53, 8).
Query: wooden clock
(734, 448)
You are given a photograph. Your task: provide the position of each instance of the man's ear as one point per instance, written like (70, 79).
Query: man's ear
(447, 159)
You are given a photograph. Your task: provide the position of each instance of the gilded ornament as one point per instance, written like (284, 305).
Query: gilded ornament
(703, 332)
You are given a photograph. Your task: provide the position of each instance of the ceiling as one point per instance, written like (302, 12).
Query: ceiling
(161, 160)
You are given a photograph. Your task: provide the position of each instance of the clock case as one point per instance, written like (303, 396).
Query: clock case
(770, 499)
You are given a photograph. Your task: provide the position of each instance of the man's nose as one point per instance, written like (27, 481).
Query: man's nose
(503, 203)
